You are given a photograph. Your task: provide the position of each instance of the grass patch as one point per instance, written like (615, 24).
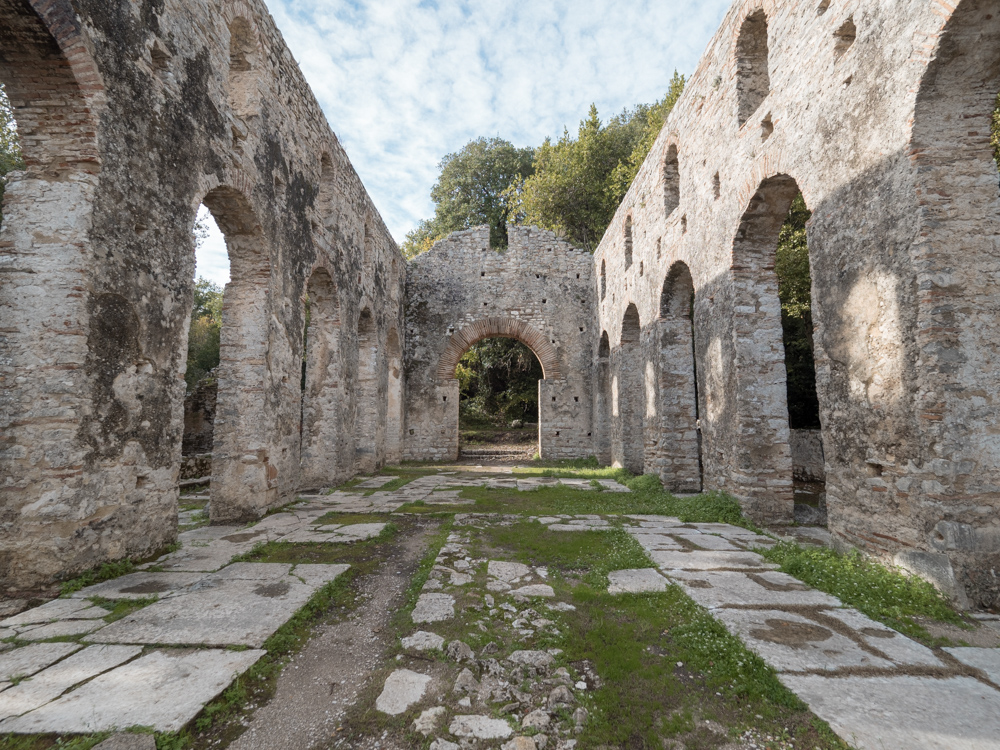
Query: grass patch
(323, 553)
(886, 595)
(666, 665)
(709, 507)
(590, 554)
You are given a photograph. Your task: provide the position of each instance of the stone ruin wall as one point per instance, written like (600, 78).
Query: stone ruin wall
(131, 115)
(540, 291)
(880, 115)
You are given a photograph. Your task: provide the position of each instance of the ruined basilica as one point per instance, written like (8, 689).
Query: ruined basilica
(662, 351)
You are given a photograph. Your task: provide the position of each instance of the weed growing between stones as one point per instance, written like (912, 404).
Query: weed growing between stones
(105, 572)
(119, 608)
(889, 596)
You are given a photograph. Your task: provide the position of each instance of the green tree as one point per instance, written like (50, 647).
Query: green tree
(498, 382)
(470, 192)
(205, 331)
(795, 293)
(11, 159)
(656, 117)
(579, 182)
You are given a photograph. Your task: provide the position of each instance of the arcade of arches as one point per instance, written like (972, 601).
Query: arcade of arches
(664, 351)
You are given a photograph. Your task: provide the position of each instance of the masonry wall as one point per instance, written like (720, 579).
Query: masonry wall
(537, 291)
(879, 114)
(132, 115)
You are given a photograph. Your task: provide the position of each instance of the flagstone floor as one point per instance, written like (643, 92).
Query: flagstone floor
(66, 669)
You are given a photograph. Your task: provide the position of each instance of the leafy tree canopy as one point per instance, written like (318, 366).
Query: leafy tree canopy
(470, 192)
(498, 381)
(204, 335)
(580, 182)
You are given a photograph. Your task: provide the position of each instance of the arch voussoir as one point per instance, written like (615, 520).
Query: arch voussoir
(500, 327)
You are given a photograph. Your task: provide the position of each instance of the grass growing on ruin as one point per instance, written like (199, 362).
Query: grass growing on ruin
(886, 595)
(666, 666)
(323, 553)
(119, 608)
(104, 572)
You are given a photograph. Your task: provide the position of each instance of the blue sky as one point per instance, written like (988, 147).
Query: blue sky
(405, 82)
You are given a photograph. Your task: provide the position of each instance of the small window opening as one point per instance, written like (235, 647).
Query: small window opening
(716, 187)
(628, 241)
(766, 127)
(753, 80)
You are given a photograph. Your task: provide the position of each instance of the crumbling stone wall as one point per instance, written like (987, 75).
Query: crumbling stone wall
(131, 115)
(462, 291)
(880, 115)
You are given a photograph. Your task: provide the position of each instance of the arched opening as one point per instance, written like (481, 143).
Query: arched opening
(671, 181)
(394, 416)
(753, 80)
(366, 421)
(680, 440)
(603, 400)
(772, 334)
(243, 477)
(628, 241)
(628, 396)
(322, 391)
(498, 413)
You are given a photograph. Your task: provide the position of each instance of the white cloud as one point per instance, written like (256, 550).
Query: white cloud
(211, 257)
(404, 82)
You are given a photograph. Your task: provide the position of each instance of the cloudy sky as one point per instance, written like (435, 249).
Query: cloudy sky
(404, 82)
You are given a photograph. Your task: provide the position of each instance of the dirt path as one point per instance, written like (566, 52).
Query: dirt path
(323, 680)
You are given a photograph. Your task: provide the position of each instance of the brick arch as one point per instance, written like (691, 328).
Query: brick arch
(507, 328)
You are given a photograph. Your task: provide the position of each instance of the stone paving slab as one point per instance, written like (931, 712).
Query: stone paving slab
(707, 542)
(317, 575)
(128, 741)
(792, 643)
(163, 690)
(140, 586)
(60, 629)
(52, 682)
(26, 661)
(714, 589)
(216, 612)
(985, 659)
(375, 482)
(651, 541)
(897, 647)
(57, 609)
(636, 581)
(202, 559)
(904, 712)
(423, 641)
(708, 560)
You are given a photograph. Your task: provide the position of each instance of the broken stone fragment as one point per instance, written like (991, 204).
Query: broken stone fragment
(427, 721)
(520, 743)
(444, 745)
(466, 683)
(535, 589)
(537, 719)
(509, 572)
(580, 718)
(480, 727)
(423, 641)
(402, 689)
(537, 659)
(560, 697)
(460, 652)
